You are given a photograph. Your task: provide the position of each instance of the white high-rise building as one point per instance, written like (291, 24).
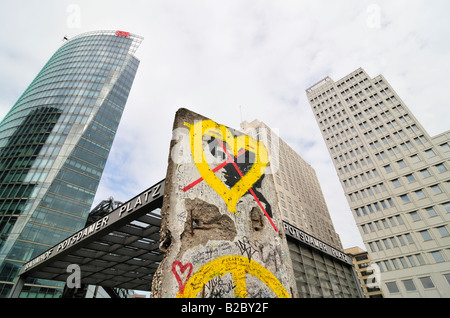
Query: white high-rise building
(396, 180)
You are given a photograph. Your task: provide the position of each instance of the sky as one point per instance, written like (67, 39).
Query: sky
(239, 60)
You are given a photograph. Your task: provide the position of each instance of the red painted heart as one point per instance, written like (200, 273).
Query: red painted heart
(182, 268)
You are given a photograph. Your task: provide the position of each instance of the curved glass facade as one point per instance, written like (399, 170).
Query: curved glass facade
(54, 143)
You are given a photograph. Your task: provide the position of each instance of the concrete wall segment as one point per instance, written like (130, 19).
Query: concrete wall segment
(221, 229)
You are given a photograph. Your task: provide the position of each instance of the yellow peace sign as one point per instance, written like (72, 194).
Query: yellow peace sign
(238, 266)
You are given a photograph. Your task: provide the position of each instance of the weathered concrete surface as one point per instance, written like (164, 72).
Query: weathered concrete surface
(221, 228)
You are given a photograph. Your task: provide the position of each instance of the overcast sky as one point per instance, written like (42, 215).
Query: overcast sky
(217, 57)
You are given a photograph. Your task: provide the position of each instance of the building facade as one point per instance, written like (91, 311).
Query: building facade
(321, 268)
(396, 180)
(54, 143)
(299, 193)
(368, 275)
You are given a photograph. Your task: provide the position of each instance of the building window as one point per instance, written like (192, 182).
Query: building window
(396, 265)
(437, 256)
(409, 238)
(410, 178)
(403, 261)
(441, 167)
(425, 173)
(379, 246)
(430, 153)
(391, 203)
(394, 242)
(436, 189)
(420, 194)
(431, 212)
(411, 260)
(445, 147)
(409, 284)
(401, 163)
(426, 282)
(364, 228)
(415, 216)
(401, 240)
(377, 223)
(420, 259)
(443, 231)
(388, 265)
(396, 183)
(415, 159)
(405, 198)
(446, 206)
(388, 168)
(425, 235)
(447, 277)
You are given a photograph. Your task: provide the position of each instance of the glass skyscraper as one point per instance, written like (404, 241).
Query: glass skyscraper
(54, 143)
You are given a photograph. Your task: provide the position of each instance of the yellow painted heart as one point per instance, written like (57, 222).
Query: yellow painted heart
(231, 146)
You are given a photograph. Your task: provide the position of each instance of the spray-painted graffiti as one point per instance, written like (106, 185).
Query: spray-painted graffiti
(178, 270)
(238, 267)
(244, 165)
(219, 216)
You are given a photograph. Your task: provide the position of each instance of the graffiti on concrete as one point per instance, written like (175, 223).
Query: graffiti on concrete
(178, 269)
(219, 217)
(241, 174)
(238, 267)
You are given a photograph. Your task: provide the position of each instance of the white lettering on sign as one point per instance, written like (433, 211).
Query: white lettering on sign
(143, 198)
(39, 259)
(87, 231)
(312, 241)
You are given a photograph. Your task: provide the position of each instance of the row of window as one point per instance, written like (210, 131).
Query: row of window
(401, 262)
(409, 285)
(354, 78)
(415, 216)
(391, 242)
(374, 145)
(397, 182)
(374, 207)
(414, 159)
(365, 193)
(351, 153)
(405, 198)
(100, 42)
(326, 111)
(421, 193)
(322, 96)
(369, 174)
(393, 221)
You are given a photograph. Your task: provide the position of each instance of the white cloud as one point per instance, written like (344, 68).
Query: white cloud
(215, 56)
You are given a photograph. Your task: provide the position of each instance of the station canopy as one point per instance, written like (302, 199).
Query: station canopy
(120, 250)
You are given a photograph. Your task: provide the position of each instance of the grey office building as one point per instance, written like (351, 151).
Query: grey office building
(396, 180)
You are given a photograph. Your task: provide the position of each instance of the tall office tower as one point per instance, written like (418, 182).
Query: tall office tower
(54, 143)
(299, 194)
(396, 180)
